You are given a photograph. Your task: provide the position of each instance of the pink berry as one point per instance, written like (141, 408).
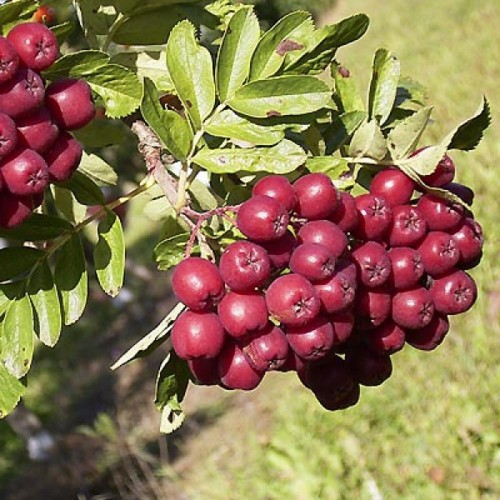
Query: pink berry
(317, 197)
(469, 240)
(313, 340)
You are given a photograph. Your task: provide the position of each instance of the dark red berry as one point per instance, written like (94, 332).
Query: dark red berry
(205, 370)
(14, 210)
(469, 240)
(244, 266)
(346, 214)
(262, 219)
(313, 261)
(280, 250)
(313, 340)
(431, 336)
(234, 369)
(372, 307)
(444, 173)
(373, 264)
(63, 157)
(412, 308)
(8, 135)
(197, 283)
(22, 94)
(393, 185)
(9, 60)
(453, 293)
(408, 227)
(374, 217)
(407, 267)
(325, 233)
(37, 130)
(367, 367)
(197, 335)
(343, 325)
(267, 350)
(439, 253)
(277, 187)
(317, 197)
(25, 172)
(292, 300)
(440, 214)
(387, 338)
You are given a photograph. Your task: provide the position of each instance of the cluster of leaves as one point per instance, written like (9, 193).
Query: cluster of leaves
(240, 103)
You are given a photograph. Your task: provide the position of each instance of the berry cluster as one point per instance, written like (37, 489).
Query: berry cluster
(327, 284)
(35, 145)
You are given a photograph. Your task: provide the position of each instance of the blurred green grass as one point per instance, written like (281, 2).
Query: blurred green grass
(431, 431)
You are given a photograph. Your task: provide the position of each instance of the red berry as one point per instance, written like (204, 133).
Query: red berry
(235, 371)
(25, 172)
(372, 263)
(313, 261)
(280, 250)
(367, 367)
(431, 336)
(346, 214)
(197, 335)
(243, 313)
(292, 300)
(37, 130)
(444, 173)
(244, 266)
(262, 219)
(325, 233)
(407, 267)
(70, 103)
(393, 185)
(14, 210)
(408, 227)
(313, 340)
(35, 43)
(440, 214)
(63, 157)
(453, 293)
(374, 217)
(387, 338)
(412, 308)
(372, 307)
(469, 240)
(317, 197)
(277, 187)
(197, 283)
(44, 14)
(439, 253)
(22, 94)
(8, 135)
(343, 325)
(9, 60)
(205, 370)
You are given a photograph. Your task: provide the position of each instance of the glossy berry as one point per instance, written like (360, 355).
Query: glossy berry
(408, 227)
(343, 325)
(277, 187)
(9, 60)
(25, 172)
(244, 266)
(393, 185)
(367, 367)
(407, 267)
(372, 263)
(325, 233)
(444, 173)
(374, 217)
(22, 94)
(453, 293)
(313, 340)
(469, 240)
(197, 335)
(440, 214)
(197, 283)
(313, 261)
(387, 338)
(35, 43)
(317, 197)
(267, 350)
(70, 103)
(412, 308)
(431, 336)
(279, 251)
(63, 157)
(8, 135)
(292, 300)
(14, 210)
(345, 215)
(243, 313)
(372, 307)
(205, 370)
(234, 369)
(439, 253)
(262, 219)
(37, 130)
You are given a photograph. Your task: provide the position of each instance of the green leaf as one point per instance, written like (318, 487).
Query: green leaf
(426, 161)
(383, 86)
(96, 18)
(333, 167)
(16, 10)
(341, 129)
(11, 393)
(18, 339)
(109, 255)
(43, 295)
(63, 31)
(410, 92)
(86, 191)
(152, 340)
(404, 137)
(348, 96)
(97, 170)
(67, 204)
(172, 380)
(71, 279)
(283, 158)
(191, 70)
(276, 43)
(368, 141)
(203, 196)
(100, 133)
(172, 417)
(133, 6)
(38, 227)
(469, 134)
(119, 88)
(232, 126)
(326, 42)
(15, 261)
(282, 95)
(173, 130)
(8, 292)
(77, 64)
(235, 53)
(170, 252)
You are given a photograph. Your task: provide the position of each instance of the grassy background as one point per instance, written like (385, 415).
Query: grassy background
(432, 430)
